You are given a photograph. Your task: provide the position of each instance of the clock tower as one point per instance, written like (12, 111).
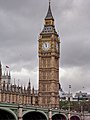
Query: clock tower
(48, 53)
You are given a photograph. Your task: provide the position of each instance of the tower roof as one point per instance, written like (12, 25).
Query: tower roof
(49, 13)
(49, 26)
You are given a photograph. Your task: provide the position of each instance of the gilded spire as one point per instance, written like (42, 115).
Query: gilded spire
(49, 2)
(49, 13)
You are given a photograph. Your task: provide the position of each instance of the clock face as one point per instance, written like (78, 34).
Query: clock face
(46, 46)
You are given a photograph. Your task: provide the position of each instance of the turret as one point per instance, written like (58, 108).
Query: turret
(29, 88)
(24, 89)
(9, 78)
(4, 85)
(33, 90)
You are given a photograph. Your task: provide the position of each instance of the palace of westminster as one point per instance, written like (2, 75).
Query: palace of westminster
(48, 56)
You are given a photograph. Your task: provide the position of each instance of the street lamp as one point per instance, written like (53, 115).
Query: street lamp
(69, 95)
(50, 114)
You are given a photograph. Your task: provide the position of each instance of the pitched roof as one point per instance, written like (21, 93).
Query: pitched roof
(49, 13)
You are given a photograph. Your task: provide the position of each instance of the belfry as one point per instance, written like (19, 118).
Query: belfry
(49, 53)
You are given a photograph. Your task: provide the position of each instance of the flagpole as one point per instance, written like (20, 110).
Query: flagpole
(7, 67)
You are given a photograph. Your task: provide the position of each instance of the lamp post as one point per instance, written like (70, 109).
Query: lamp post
(20, 114)
(50, 114)
(82, 112)
(69, 95)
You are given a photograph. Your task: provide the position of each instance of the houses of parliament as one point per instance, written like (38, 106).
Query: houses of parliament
(48, 56)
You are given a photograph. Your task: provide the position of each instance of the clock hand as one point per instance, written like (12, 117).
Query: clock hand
(45, 44)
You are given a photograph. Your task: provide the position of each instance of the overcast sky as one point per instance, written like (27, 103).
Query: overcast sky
(21, 21)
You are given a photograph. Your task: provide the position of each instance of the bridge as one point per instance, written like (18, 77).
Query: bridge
(11, 111)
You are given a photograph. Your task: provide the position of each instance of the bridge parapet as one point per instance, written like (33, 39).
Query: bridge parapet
(18, 111)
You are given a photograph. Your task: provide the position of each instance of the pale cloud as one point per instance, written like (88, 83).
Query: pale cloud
(77, 77)
(22, 77)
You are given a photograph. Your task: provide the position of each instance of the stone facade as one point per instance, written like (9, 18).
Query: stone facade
(49, 47)
(13, 93)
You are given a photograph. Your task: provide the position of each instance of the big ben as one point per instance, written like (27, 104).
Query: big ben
(49, 53)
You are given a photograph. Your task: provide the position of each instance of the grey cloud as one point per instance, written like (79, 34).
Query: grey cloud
(77, 77)
(21, 22)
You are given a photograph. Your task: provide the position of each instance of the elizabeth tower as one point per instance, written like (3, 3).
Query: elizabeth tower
(49, 52)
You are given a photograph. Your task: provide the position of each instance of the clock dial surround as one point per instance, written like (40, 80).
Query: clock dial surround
(46, 46)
